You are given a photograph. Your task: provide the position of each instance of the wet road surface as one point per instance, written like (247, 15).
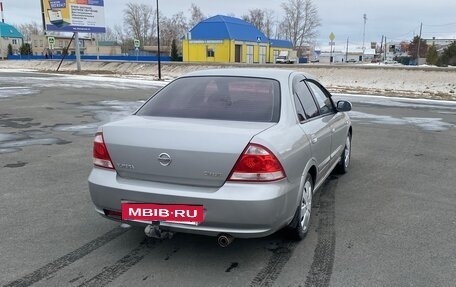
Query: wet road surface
(391, 221)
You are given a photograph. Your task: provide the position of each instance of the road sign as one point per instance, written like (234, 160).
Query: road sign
(51, 41)
(332, 43)
(332, 37)
(137, 43)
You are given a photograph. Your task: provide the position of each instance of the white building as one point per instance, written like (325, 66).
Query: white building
(340, 55)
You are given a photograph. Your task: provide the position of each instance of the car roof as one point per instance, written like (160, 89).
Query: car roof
(271, 73)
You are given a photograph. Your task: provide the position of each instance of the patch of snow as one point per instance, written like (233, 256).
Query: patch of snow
(9, 92)
(396, 101)
(427, 124)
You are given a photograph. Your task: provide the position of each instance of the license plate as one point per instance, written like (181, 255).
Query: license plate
(175, 213)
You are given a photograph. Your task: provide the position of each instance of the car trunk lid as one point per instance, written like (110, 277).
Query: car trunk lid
(180, 151)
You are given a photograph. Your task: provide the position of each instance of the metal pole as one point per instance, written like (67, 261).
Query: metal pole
(65, 54)
(98, 49)
(346, 52)
(419, 46)
(1, 45)
(78, 51)
(386, 48)
(158, 44)
(364, 34)
(1, 8)
(43, 17)
(331, 53)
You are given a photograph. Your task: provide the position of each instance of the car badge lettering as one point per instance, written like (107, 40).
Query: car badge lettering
(212, 174)
(125, 166)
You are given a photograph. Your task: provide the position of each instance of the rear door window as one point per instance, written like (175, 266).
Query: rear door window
(323, 100)
(307, 101)
(217, 98)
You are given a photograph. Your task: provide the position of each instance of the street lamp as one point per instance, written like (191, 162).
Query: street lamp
(158, 44)
(364, 34)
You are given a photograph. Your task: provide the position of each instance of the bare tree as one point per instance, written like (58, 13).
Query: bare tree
(256, 18)
(269, 23)
(126, 42)
(300, 22)
(29, 29)
(173, 28)
(196, 16)
(262, 19)
(139, 21)
(109, 35)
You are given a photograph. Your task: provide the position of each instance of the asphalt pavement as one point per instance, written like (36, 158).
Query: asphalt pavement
(391, 221)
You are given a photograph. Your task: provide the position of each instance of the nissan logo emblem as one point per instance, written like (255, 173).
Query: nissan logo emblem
(164, 159)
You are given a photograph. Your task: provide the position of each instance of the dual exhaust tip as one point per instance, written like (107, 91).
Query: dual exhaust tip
(154, 231)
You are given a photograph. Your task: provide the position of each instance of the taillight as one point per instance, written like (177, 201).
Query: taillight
(257, 164)
(101, 156)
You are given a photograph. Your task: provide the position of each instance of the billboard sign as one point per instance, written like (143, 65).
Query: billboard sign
(86, 16)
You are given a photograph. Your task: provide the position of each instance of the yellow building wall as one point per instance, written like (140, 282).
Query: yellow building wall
(224, 52)
(198, 51)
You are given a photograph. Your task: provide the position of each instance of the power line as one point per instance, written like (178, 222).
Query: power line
(439, 25)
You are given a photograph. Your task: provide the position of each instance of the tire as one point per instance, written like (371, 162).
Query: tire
(345, 157)
(300, 224)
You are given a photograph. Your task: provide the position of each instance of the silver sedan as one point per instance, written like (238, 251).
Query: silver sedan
(227, 153)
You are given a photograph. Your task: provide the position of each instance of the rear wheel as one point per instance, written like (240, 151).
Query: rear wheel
(345, 158)
(300, 224)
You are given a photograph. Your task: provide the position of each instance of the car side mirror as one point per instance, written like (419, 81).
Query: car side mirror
(301, 118)
(344, 106)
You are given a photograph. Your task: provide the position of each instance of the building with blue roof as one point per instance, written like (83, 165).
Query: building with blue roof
(9, 35)
(225, 39)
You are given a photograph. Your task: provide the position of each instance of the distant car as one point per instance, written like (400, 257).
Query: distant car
(391, 62)
(227, 153)
(351, 61)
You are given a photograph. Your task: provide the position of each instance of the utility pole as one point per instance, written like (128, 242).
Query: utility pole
(1, 7)
(381, 47)
(386, 48)
(78, 51)
(158, 44)
(43, 17)
(1, 37)
(419, 46)
(346, 52)
(364, 34)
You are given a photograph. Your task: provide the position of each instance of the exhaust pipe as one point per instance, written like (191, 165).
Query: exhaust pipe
(154, 231)
(224, 240)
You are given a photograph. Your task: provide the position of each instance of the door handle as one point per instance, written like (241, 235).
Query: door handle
(313, 139)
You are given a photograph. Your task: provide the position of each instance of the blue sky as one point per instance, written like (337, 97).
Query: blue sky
(398, 20)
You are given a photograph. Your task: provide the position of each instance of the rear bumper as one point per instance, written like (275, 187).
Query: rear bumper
(244, 210)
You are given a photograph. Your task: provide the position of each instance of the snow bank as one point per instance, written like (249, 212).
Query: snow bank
(400, 81)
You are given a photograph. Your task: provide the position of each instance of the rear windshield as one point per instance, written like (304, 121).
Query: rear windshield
(217, 98)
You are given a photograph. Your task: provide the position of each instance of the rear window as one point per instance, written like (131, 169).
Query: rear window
(217, 98)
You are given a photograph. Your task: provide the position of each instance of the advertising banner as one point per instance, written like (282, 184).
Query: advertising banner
(86, 16)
